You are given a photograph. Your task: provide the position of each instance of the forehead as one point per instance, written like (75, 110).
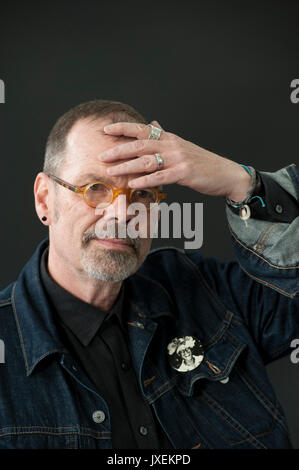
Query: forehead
(85, 142)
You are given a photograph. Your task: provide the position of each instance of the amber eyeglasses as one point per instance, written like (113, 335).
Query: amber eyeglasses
(101, 194)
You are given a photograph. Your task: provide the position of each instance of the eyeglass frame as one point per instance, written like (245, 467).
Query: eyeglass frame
(115, 191)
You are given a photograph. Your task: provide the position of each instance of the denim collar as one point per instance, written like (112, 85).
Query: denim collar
(39, 336)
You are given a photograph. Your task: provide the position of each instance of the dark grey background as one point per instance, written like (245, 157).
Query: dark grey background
(217, 73)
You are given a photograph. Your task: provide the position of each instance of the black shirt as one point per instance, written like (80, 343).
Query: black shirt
(99, 341)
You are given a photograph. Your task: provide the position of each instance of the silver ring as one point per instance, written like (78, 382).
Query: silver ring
(160, 161)
(155, 133)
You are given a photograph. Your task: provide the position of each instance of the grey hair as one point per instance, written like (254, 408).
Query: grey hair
(56, 143)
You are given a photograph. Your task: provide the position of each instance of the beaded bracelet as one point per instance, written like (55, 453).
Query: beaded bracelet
(250, 191)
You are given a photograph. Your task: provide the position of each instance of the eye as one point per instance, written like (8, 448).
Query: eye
(142, 193)
(98, 187)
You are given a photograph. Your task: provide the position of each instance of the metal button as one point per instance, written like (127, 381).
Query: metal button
(278, 209)
(98, 416)
(143, 430)
(74, 368)
(224, 381)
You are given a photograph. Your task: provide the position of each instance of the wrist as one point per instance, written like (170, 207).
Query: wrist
(241, 185)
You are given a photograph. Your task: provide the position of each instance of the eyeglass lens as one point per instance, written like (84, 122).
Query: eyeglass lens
(101, 195)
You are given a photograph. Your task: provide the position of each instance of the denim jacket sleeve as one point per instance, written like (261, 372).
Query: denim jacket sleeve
(261, 288)
(268, 251)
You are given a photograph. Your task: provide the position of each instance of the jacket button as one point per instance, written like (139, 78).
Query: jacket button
(143, 430)
(224, 381)
(98, 416)
(125, 366)
(278, 209)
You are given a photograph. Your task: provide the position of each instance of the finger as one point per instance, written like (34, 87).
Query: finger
(156, 124)
(132, 149)
(128, 129)
(132, 129)
(144, 164)
(167, 176)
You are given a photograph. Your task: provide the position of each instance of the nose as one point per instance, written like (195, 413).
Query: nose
(118, 209)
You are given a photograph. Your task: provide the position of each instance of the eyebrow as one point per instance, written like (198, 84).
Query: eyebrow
(90, 177)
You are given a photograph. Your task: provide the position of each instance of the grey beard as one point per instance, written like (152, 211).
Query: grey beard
(108, 265)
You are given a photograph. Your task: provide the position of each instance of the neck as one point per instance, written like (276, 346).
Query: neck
(99, 293)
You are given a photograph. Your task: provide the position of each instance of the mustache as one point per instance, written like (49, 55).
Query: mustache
(111, 231)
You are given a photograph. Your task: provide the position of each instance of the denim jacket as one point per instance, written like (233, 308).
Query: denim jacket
(245, 314)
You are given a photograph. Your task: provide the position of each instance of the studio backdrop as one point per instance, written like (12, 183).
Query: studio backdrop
(220, 74)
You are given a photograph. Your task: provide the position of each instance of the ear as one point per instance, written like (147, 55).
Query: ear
(41, 196)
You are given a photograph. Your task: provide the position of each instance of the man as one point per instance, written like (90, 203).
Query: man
(88, 324)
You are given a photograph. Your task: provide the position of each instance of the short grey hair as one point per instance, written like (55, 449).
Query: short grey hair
(56, 143)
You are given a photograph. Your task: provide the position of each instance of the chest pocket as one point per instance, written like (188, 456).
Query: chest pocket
(225, 397)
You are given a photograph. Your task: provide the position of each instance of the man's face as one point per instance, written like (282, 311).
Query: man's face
(73, 233)
(185, 353)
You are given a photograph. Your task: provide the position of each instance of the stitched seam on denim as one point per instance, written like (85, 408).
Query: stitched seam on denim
(257, 392)
(216, 430)
(75, 429)
(281, 420)
(230, 420)
(162, 386)
(146, 382)
(155, 398)
(241, 323)
(261, 257)
(219, 410)
(267, 237)
(294, 177)
(236, 353)
(220, 332)
(265, 400)
(197, 446)
(191, 422)
(44, 355)
(259, 242)
(211, 425)
(268, 284)
(19, 327)
(49, 434)
(262, 235)
(279, 350)
(232, 337)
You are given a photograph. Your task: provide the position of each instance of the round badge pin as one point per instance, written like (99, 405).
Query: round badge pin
(185, 353)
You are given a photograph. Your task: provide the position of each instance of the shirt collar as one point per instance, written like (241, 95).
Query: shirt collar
(82, 318)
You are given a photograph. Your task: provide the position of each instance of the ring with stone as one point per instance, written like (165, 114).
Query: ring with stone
(155, 133)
